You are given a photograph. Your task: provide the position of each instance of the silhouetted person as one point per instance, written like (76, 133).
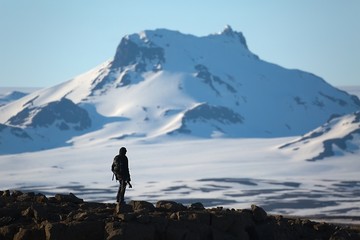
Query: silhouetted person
(120, 168)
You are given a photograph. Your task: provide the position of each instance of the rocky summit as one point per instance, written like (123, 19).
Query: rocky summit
(65, 216)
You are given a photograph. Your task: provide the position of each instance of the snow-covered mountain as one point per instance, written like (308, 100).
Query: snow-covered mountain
(165, 83)
(10, 96)
(337, 137)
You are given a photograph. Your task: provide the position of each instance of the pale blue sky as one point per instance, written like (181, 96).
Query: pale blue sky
(46, 42)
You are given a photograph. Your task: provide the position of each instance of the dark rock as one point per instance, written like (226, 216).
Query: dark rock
(142, 205)
(218, 235)
(10, 211)
(16, 193)
(200, 217)
(177, 231)
(25, 197)
(197, 206)
(208, 114)
(52, 200)
(40, 198)
(341, 234)
(126, 217)
(8, 232)
(238, 224)
(131, 231)
(67, 217)
(128, 52)
(68, 198)
(143, 218)
(160, 221)
(29, 213)
(28, 234)
(63, 111)
(123, 208)
(113, 231)
(6, 193)
(170, 206)
(75, 230)
(6, 220)
(259, 214)
(40, 213)
(81, 216)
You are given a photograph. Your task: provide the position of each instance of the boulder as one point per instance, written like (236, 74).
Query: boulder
(68, 198)
(113, 231)
(27, 234)
(197, 206)
(5, 193)
(170, 206)
(8, 232)
(16, 193)
(259, 214)
(40, 198)
(25, 197)
(142, 205)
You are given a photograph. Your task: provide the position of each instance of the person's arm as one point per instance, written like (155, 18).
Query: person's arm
(127, 170)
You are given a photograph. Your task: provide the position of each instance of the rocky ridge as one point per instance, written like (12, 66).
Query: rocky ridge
(34, 216)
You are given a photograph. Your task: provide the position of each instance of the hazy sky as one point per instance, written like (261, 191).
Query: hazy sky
(46, 42)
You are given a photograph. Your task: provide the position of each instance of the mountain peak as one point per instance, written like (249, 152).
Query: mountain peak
(228, 31)
(151, 45)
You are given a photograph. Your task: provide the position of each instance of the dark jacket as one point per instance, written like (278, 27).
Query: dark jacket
(121, 167)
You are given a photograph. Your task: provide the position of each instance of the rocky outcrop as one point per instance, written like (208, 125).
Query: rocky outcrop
(35, 216)
(64, 113)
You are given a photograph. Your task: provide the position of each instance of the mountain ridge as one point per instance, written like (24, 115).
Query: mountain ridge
(338, 136)
(165, 83)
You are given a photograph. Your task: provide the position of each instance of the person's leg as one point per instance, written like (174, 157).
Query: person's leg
(122, 189)
(118, 195)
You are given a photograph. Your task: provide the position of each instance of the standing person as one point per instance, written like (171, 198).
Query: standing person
(120, 168)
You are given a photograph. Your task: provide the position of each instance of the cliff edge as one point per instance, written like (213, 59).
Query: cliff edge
(34, 216)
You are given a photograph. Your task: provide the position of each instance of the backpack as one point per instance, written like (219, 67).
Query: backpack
(115, 167)
(120, 168)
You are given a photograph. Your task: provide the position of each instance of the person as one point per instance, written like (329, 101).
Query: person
(120, 168)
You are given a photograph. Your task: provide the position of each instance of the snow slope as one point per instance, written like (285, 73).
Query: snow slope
(218, 172)
(165, 83)
(339, 136)
(10, 94)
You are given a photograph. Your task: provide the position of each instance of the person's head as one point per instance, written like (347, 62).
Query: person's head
(122, 151)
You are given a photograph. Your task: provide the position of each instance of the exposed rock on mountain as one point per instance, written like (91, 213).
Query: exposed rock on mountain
(203, 120)
(13, 131)
(62, 113)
